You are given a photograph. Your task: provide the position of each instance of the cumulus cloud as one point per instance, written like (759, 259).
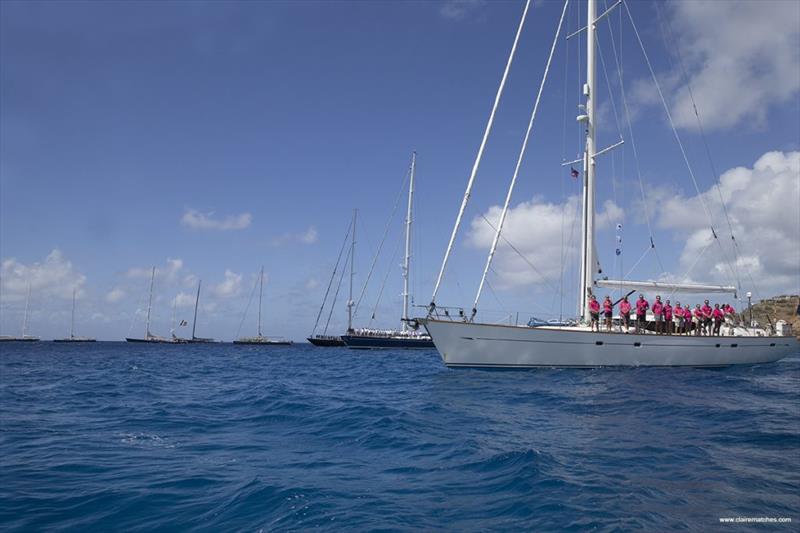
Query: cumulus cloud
(530, 227)
(231, 286)
(169, 271)
(114, 295)
(459, 9)
(55, 277)
(308, 236)
(742, 58)
(196, 220)
(183, 299)
(762, 203)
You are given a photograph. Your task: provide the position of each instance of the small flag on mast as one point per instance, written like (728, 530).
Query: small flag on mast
(574, 173)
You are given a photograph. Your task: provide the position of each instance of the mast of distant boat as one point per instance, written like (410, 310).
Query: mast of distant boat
(72, 322)
(587, 230)
(196, 301)
(407, 259)
(350, 302)
(147, 334)
(27, 308)
(260, 293)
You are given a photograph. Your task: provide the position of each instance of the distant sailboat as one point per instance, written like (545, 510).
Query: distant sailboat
(149, 337)
(195, 339)
(72, 337)
(333, 340)
(408, 336)
(260, 339)
(25, 337)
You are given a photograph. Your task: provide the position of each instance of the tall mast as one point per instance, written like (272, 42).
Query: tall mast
(196, 301)
(25, 316)
(260, 294)
(587, 252)
(149, 305)
(350, 302)
(72, 323)
(407, 259)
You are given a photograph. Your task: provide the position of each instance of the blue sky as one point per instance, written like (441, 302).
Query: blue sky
(209, 138)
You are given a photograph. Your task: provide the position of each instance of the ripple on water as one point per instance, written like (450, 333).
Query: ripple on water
(215, 437)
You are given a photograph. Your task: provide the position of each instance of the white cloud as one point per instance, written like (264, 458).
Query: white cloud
(190, 280)
(183, 299)
(762, 203)
(196, 220)
(169, 271)
(114, 295)
(231, 286)
(459, 9)
(55, 277)
(742, 58)
(312, 284)
(534, 228)
(308, 236)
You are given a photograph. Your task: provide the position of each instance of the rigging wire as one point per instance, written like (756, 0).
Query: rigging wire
(520, 158)
(383, 284)
(634, 150)
(563, 158)
(675, 132)
(347, 258)
(478, 157)
(696, 260)
(333, 276)
(249, 301)
(505, 239)
(701, 129)
(383, 240)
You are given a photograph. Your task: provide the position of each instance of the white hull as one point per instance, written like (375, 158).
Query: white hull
(464, 344)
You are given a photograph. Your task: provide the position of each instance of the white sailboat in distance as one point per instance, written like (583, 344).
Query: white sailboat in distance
(260, 339)
(72, 337)
(463, 342)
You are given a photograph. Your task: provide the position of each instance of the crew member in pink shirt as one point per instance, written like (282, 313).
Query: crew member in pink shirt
(687, 319)
(677, 318)
(594, 313)
(625, 313)
(718, 315)
(707, 317)
(658, 315)
(608, 311)
(641, 313)
(699, 320)
(668, 317)
(730, 314)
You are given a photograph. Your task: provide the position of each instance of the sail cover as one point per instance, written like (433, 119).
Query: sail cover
(683, 288)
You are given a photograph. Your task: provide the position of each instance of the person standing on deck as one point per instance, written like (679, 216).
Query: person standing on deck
(625, 313)
(687, 319)
(658, 315)
(641, 313)
(699, 320)
(594, 312)
(677, 318)
(729, 314)
(718, 315)
(707, 313)
(608, 311)
(668, 318)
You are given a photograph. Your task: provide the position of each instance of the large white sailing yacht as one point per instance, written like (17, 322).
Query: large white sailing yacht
(464, 342)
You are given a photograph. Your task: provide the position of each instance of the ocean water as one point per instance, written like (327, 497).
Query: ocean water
(125, 437)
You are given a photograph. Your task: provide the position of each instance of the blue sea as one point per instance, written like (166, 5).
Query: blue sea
(126, 437)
